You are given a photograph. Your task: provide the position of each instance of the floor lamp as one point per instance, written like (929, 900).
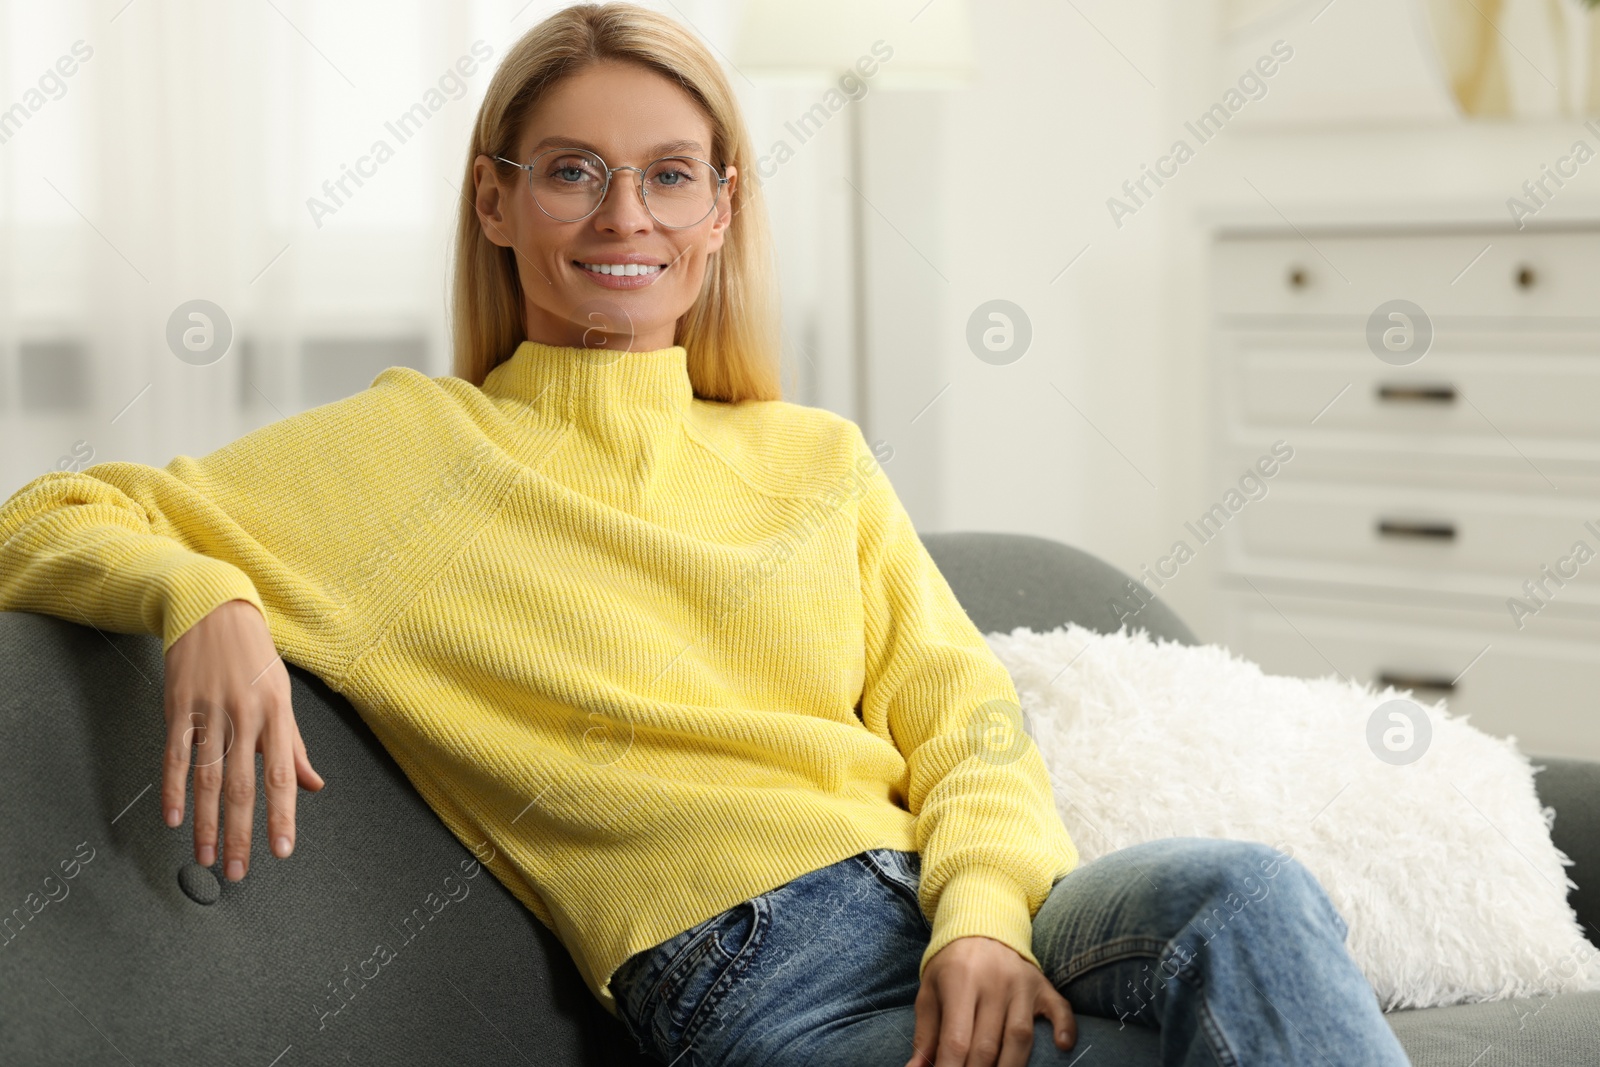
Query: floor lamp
(820, 42)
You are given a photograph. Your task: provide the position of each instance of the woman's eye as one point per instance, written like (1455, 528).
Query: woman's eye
(569, 170)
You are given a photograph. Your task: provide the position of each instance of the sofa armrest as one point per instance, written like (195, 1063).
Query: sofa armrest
(1572, 787)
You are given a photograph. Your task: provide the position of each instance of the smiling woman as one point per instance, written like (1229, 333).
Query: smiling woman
(634, 241)
(606, 159)
(668, 644)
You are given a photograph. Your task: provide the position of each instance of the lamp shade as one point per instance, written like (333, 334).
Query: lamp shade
(1552, 71)
(927, 42)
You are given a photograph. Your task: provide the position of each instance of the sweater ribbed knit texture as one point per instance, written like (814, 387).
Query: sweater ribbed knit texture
(652, 655)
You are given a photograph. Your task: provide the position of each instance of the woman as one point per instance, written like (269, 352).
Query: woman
(670, 643)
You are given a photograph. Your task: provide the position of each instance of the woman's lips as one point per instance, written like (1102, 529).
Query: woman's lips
(621, 281)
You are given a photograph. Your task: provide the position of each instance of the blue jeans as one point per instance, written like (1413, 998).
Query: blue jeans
(1193, 951)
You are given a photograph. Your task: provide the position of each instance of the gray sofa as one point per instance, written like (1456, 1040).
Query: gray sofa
(118, 949)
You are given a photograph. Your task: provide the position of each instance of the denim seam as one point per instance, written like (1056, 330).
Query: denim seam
(627, 1028)
(883, 874)
(1219, 1044)
(732, 975)
(1122, 948)
(1339, 920)
(670, 966)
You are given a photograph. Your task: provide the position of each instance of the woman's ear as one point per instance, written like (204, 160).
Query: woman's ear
(724, 211)
(489, 199)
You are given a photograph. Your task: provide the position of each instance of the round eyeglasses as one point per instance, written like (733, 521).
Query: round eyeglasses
(569, 184)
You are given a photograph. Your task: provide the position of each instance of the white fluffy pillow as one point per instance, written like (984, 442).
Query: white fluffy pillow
(1442, 867)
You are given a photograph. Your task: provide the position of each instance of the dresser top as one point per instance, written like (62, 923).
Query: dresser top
(1569, 212)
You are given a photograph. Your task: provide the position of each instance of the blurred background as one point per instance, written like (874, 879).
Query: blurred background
(1288, 309)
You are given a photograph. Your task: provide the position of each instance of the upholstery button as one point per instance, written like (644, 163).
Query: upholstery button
(200, 883)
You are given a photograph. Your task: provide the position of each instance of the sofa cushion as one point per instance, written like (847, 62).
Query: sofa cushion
(1006, 580)
(126, 962)
(1561, 1031)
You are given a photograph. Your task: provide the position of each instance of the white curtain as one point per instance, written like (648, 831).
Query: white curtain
(162, 152)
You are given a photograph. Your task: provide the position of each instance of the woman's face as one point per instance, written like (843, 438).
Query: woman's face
(625, 113)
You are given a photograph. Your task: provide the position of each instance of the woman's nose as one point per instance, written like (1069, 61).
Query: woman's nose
(623, 207)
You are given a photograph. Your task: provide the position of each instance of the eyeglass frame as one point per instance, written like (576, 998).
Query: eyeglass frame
(644, 199)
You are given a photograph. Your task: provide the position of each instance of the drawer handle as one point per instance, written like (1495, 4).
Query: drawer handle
(1418, 394)
(1430, 531)
(1400, 680)
(1526, 276)
(1298, 277)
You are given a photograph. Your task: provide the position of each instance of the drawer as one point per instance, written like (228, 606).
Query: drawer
(1473, 388)
(1492, 272)
(1539, 685)
(1475, 543)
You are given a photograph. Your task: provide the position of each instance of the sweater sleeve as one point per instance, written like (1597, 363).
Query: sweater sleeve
(991, 841)
(297, 518)
(81, 546)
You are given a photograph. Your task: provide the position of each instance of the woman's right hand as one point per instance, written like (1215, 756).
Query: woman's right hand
(227, 695)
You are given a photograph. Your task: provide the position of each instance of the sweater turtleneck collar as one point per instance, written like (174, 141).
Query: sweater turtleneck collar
(603, 390)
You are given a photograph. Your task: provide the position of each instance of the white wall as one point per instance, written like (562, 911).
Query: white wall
(1356, 125)
(1070, 440)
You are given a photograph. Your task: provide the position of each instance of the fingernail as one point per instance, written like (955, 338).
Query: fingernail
(280, 845)
(235, 870)
(208, 855)
(174, 816)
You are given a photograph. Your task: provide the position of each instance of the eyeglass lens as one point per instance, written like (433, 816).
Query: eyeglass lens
(568, 184)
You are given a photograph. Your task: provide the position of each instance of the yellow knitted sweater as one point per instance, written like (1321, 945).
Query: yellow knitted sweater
(661, 654)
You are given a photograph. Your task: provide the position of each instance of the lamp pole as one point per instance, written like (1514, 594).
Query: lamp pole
(858, 288)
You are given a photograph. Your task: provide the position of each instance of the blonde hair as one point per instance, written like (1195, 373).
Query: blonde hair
(731, 332)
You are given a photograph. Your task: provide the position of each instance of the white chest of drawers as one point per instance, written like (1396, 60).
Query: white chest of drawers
(1438, 526)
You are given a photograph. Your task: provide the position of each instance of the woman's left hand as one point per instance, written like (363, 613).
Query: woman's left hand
(977, 1004)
